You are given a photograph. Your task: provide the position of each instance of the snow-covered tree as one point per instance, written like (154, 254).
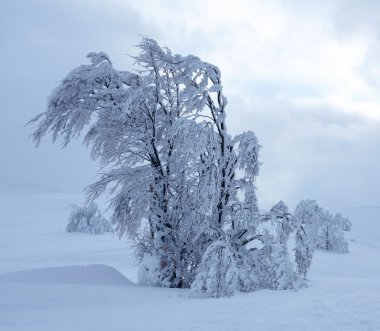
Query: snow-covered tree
(161, 139)
(88, 219)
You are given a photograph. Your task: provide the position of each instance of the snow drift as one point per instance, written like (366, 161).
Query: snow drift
(93, 274)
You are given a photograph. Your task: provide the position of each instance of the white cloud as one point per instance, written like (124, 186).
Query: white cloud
(273, 42)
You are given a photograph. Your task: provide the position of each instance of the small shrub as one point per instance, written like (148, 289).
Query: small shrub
(88, 220)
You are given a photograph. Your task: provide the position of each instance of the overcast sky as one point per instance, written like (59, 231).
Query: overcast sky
(303, 75)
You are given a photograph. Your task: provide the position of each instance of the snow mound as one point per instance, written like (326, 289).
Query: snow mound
(93, 274)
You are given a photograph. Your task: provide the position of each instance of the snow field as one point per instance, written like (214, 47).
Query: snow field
(343, 294)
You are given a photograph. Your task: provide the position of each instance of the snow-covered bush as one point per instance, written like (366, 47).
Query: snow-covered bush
(267, 264)
(149, 271)
(279, 272)
(304, 250)
(217, 275)
(247, 275)
(282, 274)
(88, 219)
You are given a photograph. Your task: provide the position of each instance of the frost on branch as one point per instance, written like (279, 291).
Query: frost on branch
(88, 220)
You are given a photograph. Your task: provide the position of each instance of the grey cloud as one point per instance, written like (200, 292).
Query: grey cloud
(314, 152)
(352, 16)
(41, 42)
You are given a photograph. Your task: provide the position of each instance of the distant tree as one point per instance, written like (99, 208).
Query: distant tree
(88, 219)
(332, 235)
(325, 230)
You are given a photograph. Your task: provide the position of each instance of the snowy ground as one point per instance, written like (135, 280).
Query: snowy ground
(344, 292)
